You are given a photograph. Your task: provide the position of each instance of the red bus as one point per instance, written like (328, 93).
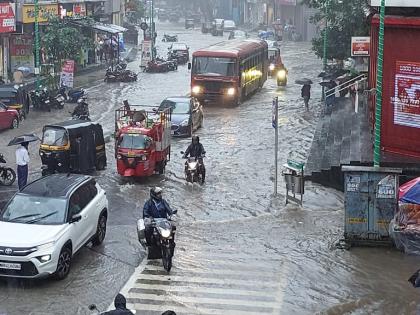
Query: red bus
(229, 71)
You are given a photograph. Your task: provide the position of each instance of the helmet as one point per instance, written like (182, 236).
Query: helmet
(156, 193)
(81, 100)
(195, 139)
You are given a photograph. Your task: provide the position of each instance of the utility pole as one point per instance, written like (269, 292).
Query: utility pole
(37, 46)
(324, 59)
(379, 77)
(152, 28)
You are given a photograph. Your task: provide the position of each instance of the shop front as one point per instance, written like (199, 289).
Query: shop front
(7, 26)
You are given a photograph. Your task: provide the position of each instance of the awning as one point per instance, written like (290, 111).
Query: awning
(101, 27)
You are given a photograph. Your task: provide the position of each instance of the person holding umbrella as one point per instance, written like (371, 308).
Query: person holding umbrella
(22, 160)
(22, 157)
(306, 90)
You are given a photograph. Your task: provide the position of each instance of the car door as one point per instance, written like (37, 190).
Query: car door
(78, 205)
(4, 117)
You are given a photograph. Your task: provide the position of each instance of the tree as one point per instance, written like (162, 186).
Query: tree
(345, 19)
(62, 41)
(135, 11)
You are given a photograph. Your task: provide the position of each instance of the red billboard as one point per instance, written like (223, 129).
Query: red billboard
(7, 17)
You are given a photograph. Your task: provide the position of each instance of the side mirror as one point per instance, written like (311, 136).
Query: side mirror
(189, 66)
(75, 218)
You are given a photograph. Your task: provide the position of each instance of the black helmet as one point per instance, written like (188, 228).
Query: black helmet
(156, 193)
(195, 139)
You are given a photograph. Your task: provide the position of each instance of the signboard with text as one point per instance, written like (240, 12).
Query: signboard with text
(406, 99)
(67, 74)
(397, 3)
(7, 17)
(146, 52)
(45, 11)
(360, 46)
(21, 52)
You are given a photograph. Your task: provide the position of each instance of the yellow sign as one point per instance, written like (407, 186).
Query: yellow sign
(45, 11)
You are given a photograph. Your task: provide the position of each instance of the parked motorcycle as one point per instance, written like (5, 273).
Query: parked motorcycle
(161, 66)
(40, 100)
(170, 38)
(72, 95)
(7, 174)
(120, 75)
(192, 171)
(162, 240)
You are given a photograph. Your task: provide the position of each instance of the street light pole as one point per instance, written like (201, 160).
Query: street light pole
(379, 77)
(152, 28)
(327, 4)
(37, 46)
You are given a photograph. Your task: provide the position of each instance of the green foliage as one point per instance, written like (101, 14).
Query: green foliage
(135, 11)
(345, 20)
(63, 41)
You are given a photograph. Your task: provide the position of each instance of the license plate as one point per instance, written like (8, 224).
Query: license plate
(10, 266)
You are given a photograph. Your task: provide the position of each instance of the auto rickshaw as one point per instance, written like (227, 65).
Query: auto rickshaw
(15, 97)
(189, 23)
(273, 57)
(73, 146)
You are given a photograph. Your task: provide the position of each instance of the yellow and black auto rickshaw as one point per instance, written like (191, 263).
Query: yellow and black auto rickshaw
(15, 97)
(73, 146)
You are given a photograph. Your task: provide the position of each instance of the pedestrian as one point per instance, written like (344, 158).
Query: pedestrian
(169, 313)
(22, 160)
(306, 94)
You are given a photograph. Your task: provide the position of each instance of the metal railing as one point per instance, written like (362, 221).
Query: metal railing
(345, 85)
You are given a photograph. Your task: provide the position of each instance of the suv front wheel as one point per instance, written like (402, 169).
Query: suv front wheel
(100, 230)
(63, 264)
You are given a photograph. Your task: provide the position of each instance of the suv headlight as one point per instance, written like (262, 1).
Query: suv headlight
(196, 89)
(45, 246)
(185, 122)
(44, 258)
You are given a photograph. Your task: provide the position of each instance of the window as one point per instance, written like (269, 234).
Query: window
(55, 136)
(177, 107)
(214, 66)
(134, 141)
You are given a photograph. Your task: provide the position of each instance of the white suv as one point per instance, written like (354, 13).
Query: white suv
(47, 222)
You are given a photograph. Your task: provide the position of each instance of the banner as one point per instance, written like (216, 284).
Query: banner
(21, 52)
(7, 17)
(146, 52)
(45, 11)
(406, 98)
(360, 46)
(67, 74)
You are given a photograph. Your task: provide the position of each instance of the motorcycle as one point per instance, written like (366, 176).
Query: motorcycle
(170, 38)
(81, 113)
(120, 75)
(72, 95)
(192, 172)
(281, 77)
(40, 100)
(7, 174)
(162, 239)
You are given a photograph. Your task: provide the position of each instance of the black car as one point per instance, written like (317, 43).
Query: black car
(187, 114)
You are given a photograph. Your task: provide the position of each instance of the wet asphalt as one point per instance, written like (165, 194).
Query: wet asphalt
(240, 250)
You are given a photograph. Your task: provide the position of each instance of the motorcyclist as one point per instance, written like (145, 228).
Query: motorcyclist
(196, 150)
(82, 109)
(120, 304)
(154, 208)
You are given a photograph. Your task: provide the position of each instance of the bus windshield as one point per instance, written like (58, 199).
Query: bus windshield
(214, 66)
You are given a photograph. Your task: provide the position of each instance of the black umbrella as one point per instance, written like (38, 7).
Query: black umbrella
(304, 81)
(24, 138)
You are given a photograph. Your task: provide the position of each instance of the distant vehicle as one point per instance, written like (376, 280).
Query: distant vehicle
(189, 23)
(180, 52)
(229, 71)
(229, 25)
(186, 112)
(217, 27)
(206, 27)
(47, 222)
(238, 35)
(9, 118)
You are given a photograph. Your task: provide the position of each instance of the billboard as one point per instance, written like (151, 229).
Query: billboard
(45, 11)
(360, 46)
(406, 99)
(7, 17)
(21, 52)
(397, 3)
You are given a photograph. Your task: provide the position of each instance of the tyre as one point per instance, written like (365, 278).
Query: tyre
(100, 164)
(100, 230)
(167, 258)
(63, 264)
(15, 123)
(7, 177)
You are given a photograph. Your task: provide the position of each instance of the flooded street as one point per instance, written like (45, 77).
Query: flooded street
(239, 249)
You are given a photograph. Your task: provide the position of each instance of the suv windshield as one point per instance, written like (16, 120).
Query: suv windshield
(55, 136)
(134, 141)
(215, 66)
(35, 210)
(176, 107)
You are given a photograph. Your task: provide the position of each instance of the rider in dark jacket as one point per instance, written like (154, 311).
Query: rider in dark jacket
(196, 149)
(120, 304)
(81, 111)
(156, 207)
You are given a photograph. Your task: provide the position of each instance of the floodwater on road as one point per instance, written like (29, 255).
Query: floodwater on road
(239, 249)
